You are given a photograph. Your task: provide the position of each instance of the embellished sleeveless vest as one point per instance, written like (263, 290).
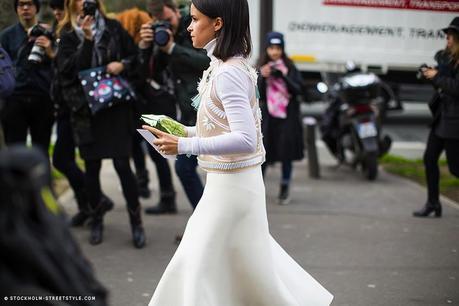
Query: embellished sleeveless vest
(212, 120)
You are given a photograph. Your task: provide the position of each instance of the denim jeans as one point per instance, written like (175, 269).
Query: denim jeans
(185, 167)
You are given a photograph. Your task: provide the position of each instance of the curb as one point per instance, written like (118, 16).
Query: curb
(444, 199)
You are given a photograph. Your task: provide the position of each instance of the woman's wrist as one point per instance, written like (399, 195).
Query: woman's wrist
(180, 145)
(185, 145)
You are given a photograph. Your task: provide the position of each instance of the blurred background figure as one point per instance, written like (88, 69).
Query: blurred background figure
(88, 40)
(39, 255)
(167, 46)
(7, 85)
(29, 109)
(64, 158)
(444, 105)
(131, 20)
(280, 84)
(149, 101)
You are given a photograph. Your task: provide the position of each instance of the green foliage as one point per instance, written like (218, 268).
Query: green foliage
(413, 169)
(7, 15)
(116, 6)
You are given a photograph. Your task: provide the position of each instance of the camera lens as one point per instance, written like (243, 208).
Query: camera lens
(36, 54)
(161, 30)
(161, 37)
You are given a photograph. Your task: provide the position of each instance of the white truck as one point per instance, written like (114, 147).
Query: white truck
(380, 35)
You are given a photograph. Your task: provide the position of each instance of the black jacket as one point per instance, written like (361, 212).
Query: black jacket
(31, 79)
(186, 65)
(445, 103)
(283, 138)
(108, 133)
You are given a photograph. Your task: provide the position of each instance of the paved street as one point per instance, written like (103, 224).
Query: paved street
(357, 238)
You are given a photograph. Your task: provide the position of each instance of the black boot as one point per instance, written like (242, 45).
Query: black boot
(166, 205)
(83, 214)
(79, 219)
(97, 225)
(142, 183)
(138, 234)
(97, 229)
(284, 196)
(428, 209)
(106, 204)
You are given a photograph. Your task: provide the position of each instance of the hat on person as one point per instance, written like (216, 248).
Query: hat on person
(275, 38)
(35, 2)
(59, 4)
(454, 25)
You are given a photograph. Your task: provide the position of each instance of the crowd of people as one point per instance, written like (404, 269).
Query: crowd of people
(48, 61)
(94, 76)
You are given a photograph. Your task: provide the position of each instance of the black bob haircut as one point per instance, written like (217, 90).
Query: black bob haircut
(234, 37)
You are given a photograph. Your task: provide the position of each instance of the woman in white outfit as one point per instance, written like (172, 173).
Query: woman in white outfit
(227, 256)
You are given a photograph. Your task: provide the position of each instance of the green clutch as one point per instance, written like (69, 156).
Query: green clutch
(165, 124)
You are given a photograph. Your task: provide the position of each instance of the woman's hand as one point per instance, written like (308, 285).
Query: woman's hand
(265, 70)
(115, 68)
(45, 43)
(429, 73)
(86, 24)
(146, 36)
(167, 143)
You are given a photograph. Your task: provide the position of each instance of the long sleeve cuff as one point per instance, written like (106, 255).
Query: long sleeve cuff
(185, 145)
(191, 131)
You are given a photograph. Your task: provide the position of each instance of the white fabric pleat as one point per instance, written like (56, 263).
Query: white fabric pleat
(227, 256)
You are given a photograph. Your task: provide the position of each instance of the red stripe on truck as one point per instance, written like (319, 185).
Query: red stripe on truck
(426, 5)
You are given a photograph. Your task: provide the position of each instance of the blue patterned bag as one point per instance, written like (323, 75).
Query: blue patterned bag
(103, 90)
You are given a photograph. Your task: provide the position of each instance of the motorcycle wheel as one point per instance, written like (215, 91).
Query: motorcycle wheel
(370, 166)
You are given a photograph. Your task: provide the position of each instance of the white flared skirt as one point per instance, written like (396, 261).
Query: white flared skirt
(227, 256)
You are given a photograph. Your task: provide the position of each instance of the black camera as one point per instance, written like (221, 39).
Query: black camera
(276, 72)
(37, 53)
(89, 8)
(160, 29)
(419, 73)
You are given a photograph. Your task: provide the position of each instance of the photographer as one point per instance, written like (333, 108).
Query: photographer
(64, 158)
(168, 46)
(444, 132)
(280, 84)
(29, 108)
(88, 40)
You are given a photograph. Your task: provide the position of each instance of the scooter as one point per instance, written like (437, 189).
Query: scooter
(355, 139)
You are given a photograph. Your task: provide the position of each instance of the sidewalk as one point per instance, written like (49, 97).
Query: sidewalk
(356, 237)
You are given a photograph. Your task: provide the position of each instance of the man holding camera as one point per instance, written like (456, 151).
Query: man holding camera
(167, 45)
(29, 108)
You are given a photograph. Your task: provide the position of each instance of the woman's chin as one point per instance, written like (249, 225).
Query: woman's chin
(196, 44)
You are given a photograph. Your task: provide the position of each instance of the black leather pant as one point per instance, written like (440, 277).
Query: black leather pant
(435, 146)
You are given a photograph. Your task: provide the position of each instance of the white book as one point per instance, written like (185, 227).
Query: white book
(149, 137)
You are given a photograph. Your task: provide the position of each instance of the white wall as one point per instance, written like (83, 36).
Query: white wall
(254, 7)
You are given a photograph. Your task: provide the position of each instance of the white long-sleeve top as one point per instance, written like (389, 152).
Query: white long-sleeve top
(234, 89)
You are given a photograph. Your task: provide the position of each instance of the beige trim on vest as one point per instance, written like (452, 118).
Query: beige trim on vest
(212, 121)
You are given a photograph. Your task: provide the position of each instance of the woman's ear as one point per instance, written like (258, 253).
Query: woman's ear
(218, 24)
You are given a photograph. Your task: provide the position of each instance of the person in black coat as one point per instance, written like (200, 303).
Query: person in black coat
(64, 147)
(279, 84)
(185, 64)
(444, 132)
(29, 109)
(88, 42)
